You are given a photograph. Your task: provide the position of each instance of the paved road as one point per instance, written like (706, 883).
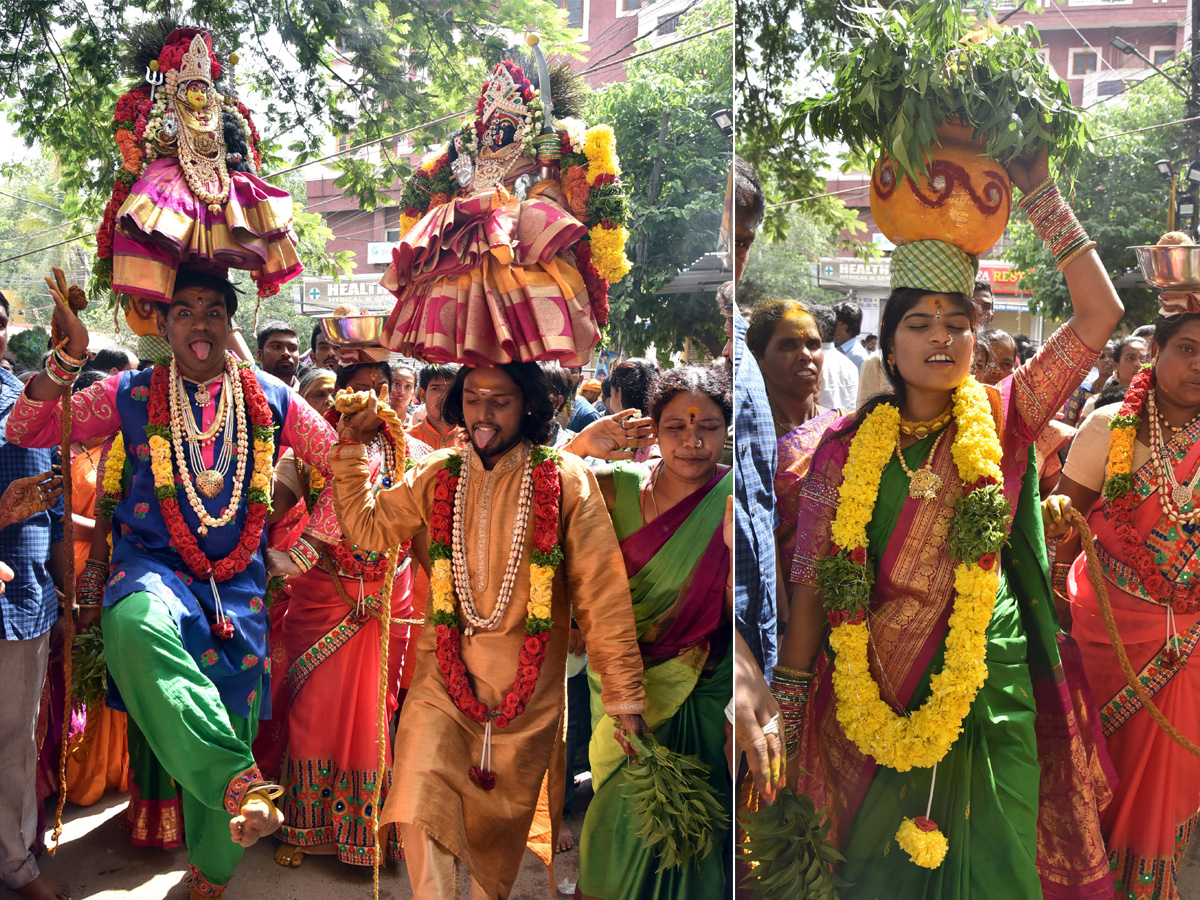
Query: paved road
(96, 859)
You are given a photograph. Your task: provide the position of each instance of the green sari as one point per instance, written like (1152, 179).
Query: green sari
(677, 567)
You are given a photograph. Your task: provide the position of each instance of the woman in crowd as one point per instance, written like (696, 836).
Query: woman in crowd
(631, 381)
(317, 387)
(1091, 387)
(335, 611)
(919, 517)
(668, 516)
(1129, 354)
(99, 758)
(786, 342)
(1055, 437)
(1142, 456)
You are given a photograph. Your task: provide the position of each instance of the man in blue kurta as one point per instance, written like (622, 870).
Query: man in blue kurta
(186, 647)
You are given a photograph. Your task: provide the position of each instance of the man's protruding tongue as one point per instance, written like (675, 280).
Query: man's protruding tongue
(201, 349)
(484, 435)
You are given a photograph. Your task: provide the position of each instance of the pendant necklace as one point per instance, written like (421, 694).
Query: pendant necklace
(923, 484)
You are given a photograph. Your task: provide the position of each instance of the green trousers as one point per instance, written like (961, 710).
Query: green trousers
(199, 741)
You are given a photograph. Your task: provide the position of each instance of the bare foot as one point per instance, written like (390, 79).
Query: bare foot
(288, 856)
(566, 840)
(45, 888)
(258, 818)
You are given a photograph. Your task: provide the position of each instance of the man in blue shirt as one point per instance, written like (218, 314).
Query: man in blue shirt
(757, 725)
(33, 556)
(583, 413)
(845, 335)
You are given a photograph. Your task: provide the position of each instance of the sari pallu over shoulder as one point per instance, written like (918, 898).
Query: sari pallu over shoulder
(1158, 795)
(677, 567)
(909, 616)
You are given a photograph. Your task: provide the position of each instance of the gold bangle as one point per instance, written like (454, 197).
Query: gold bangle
(1037, 189)
(1090, 245)
(788, 673)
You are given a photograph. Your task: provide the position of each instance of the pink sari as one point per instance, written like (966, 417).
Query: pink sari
(1155, 806)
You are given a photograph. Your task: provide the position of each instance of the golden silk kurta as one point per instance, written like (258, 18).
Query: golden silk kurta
(435, 743)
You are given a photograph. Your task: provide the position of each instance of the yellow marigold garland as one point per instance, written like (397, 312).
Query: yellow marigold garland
(608, 252)
(110, 487)
(919, 740)
(600, 148)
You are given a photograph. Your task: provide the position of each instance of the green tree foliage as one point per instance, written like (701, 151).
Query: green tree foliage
(1119, 197)
(61, 72)
(785, 268)
(676, 164)
(29, 346)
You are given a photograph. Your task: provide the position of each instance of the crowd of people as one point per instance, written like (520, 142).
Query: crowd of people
(951, 690)
(255, 619)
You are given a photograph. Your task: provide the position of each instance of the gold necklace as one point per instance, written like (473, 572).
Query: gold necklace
(924, 483)
(922, 429)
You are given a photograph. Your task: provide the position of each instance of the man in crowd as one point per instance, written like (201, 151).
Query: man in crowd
(463, 792)
(185, 626)
(839, 377)
(32, 549)
(754, 519)
(849, 324)
(320, 352)
(279, 351)
(870, 342)
(982, 295)
(403, 388)
(590, 391)
(583, 413)
(435, 382)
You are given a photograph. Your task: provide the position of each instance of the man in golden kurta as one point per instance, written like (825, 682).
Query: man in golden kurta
(444, 815)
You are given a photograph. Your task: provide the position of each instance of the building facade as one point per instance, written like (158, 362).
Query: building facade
(610, 28)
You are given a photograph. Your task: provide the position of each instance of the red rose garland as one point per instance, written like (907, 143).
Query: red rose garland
(547, 493)
(181, 536)
(1120, 512)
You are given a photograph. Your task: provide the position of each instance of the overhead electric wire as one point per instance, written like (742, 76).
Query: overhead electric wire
(27, 200)
(415, 128)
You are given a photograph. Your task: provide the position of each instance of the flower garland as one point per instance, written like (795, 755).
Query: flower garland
(137, 128)
(546, 556)
(589, 177)
(1121, 498)
(111, 491)
(166, 488)
(978, 531)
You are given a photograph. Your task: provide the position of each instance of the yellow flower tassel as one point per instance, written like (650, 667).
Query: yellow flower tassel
(922, 841)
(920, 837)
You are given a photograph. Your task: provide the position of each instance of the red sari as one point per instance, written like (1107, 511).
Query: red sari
(1157, 799)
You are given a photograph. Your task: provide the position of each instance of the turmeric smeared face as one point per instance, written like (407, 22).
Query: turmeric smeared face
(197, 95)
(692, 412)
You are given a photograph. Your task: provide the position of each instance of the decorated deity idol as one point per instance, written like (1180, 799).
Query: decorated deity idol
(511, 236)
(187, 191)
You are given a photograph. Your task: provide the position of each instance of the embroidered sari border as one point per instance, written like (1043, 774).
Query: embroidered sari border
(1154, 676)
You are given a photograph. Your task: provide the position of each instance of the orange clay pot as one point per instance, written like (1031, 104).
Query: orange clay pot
(964, 200)
(140, 318)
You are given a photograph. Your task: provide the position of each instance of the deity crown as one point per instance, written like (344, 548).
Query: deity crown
(196, 64)
(501, 92)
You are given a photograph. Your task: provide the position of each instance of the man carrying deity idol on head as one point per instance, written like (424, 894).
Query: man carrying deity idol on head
(187, 192)
(181, 601)
(512, 234)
